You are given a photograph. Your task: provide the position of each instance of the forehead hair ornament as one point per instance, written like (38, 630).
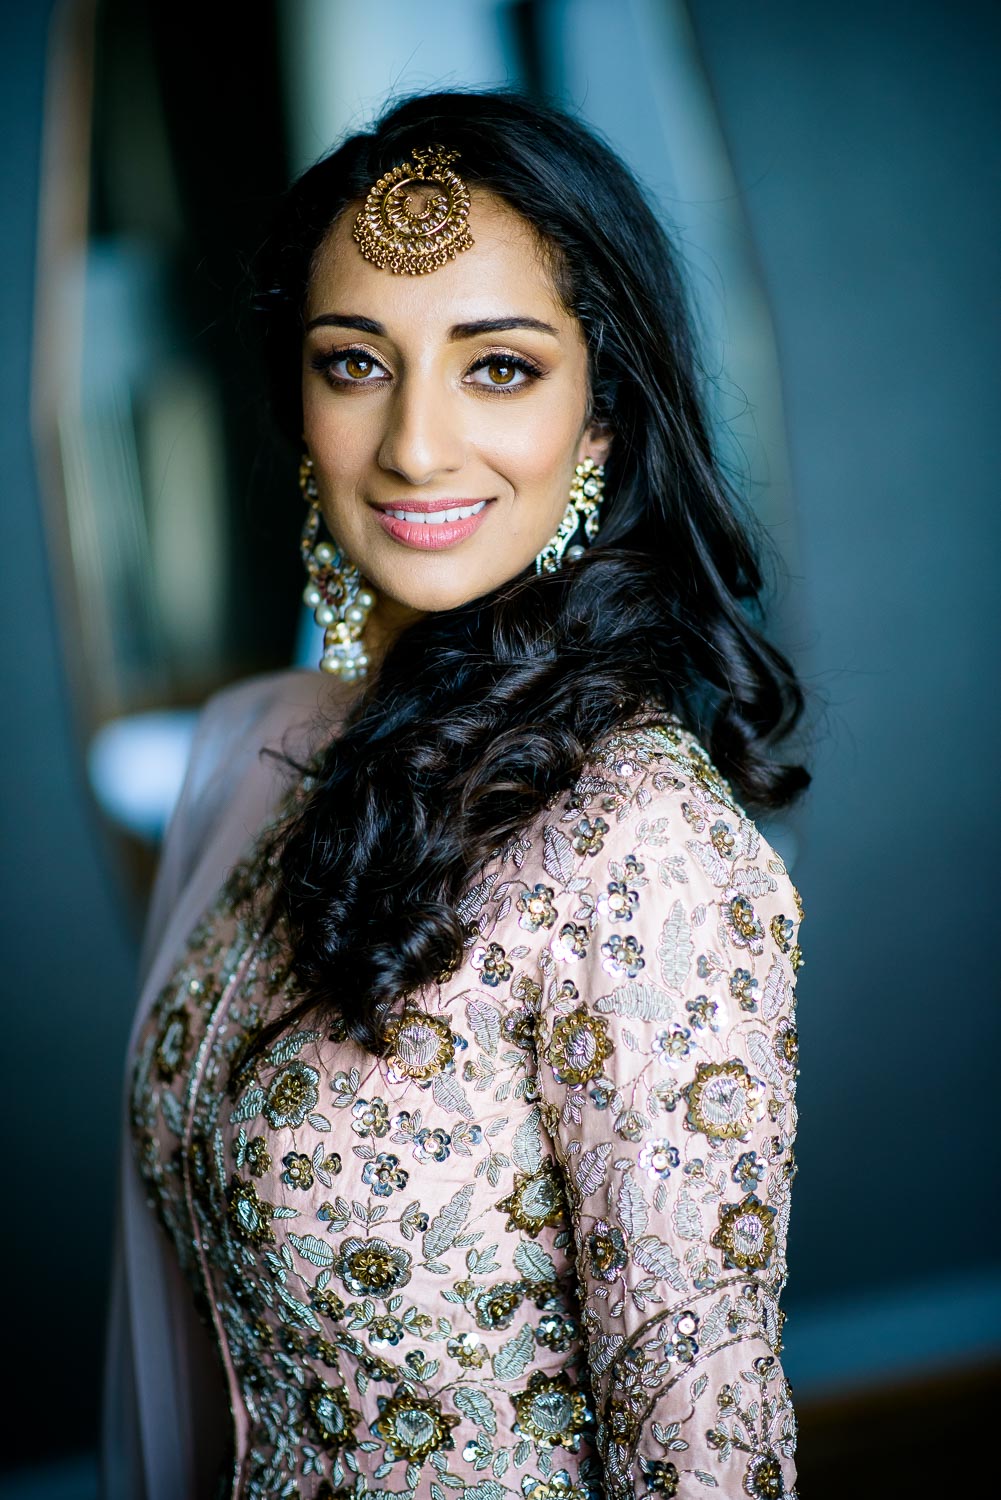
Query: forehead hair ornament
(414, 218)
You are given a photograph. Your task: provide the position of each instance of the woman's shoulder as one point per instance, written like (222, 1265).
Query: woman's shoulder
(295, 690)
(650, 794)
(294, 710)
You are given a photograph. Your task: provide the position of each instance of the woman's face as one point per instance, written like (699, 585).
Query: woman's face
(463, 390)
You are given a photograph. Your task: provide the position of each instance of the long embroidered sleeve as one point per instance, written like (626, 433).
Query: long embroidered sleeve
(667, 1063)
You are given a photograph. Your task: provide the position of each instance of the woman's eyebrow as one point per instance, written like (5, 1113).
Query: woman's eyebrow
(347, 320)
(498, 325)
(459, 331)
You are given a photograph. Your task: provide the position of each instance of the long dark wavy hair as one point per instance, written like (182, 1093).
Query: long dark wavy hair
(480, 715)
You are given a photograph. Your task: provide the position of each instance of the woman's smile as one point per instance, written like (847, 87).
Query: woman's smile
(432, 523)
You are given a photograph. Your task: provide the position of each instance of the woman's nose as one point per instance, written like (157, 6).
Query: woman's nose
(422, 439)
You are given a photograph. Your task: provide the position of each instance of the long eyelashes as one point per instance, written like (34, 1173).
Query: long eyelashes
(324, 363)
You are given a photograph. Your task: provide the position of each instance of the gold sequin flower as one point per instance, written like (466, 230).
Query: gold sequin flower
(743, 926)
(249, 1215)
(660, 1477)
(763, 1478)
(334, 1419)
(578, 1047)
(746, 1234)
(413, 1427)
(537, 1201)
(723, 1100)
(292, 1095)
(552, 1412)
(298, 1171)
(258, 1157)
(372, 1268)
(606, 1248)
(418, 1046)
(468, 1349)
(496, 1305)
(172, 1044)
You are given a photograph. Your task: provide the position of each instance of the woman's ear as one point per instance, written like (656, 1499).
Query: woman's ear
(596, 443)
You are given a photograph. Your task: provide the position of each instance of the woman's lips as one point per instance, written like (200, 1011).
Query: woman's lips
(434, 532)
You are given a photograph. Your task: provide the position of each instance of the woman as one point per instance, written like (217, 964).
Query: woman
(462, 1084)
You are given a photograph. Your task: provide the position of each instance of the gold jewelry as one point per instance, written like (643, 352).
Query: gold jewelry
(586, 494)
(335, 592)
(414, 218)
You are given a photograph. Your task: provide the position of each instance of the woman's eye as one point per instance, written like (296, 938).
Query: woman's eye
(355, 366)
(501, 371)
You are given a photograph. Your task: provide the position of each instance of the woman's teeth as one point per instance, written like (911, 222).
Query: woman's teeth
(437, 517)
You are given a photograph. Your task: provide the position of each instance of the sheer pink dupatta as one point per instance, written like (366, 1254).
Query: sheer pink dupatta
(166, 1425)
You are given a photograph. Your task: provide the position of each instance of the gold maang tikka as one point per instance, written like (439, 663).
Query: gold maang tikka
(586, 494)
(414, 218)
(335, 591)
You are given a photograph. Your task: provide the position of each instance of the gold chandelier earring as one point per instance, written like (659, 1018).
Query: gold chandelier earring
(335, 591)
(586, 494)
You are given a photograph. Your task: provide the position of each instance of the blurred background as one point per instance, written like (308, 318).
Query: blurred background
(830, 174)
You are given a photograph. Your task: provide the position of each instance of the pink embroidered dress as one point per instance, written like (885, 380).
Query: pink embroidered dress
(537, 1250)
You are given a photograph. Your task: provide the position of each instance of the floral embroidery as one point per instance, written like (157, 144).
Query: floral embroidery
(537, 909)
(745, 929)
(588, 837)
(552, 1412)
(723, 1101)
(298, 1171)
(579, 1047)
(571, 944)
(658, 1157)
(258, 1157)
(413, 1426)
(622, 955)
(618, 902)
(250, 1216)
(334, 1420)
(291, 1096)
(607, 1249)
(173, 1044)
(384, 1175)
(537, 1201)
(418, 1046)
(372, 1268)
(550, 1189)
(746, 1234)
(493, 964)
(371, 1117)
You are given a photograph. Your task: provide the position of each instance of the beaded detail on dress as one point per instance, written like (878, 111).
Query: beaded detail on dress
(535, 1251)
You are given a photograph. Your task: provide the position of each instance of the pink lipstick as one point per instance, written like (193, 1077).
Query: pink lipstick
(431, 525)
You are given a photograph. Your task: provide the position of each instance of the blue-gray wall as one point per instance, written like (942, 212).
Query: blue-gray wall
(865, 138)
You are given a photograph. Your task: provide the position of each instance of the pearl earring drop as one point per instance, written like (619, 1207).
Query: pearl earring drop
(335, 592)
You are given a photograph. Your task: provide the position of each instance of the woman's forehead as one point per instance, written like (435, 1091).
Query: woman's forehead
(505, 271)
